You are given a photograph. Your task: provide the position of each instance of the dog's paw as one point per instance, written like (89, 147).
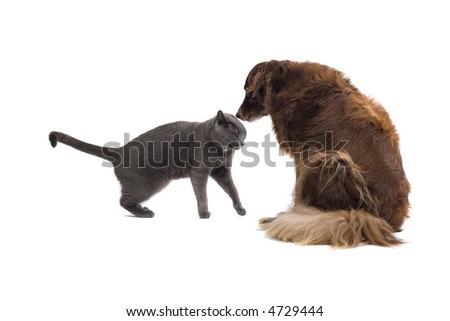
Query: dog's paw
(263, 222)
(206, 214)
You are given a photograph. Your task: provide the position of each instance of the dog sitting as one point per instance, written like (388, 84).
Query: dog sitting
(350, 183)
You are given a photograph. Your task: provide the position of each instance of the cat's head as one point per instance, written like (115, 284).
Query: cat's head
(229, 130)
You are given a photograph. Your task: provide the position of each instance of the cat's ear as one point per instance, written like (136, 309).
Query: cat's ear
(220, 118)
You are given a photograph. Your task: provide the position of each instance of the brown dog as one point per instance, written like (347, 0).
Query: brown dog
(350, 182)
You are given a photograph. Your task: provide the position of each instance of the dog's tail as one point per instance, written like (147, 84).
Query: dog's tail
(331, 181)
(309, 226)
(107, 153)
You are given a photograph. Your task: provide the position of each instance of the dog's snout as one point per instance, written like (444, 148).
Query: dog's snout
(238, 116)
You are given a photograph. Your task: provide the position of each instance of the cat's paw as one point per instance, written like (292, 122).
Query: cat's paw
(206, 214)
(146, 213)
(240, 210)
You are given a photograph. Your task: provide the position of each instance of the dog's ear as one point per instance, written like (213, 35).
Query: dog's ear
(268, 78)
(257, 81)
(276, 75)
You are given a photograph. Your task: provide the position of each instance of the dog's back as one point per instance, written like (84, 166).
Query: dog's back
(364, 130)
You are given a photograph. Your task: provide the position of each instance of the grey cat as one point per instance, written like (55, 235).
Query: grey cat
(147, 164)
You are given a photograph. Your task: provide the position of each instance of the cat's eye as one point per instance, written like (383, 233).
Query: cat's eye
(233, 129)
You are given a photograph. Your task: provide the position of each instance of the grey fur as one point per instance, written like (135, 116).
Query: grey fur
(147, 164)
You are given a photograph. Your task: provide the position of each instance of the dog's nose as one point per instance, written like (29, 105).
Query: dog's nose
(237, 115)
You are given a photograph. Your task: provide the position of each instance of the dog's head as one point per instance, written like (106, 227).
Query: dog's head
(262, 83)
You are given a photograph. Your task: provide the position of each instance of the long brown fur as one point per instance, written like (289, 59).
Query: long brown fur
(350, 186)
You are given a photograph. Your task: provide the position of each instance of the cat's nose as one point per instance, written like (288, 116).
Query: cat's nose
(238, 116)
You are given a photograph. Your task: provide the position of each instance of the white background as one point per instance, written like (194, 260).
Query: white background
(99, 69)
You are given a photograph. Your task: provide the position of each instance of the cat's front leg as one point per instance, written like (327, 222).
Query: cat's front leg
(199, 179)
(222, 175)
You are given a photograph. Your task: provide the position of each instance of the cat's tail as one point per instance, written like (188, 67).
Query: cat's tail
(310, 226)
(107, 153)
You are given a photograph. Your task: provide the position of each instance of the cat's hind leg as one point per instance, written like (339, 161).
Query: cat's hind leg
(132, 205)
(136, 190)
